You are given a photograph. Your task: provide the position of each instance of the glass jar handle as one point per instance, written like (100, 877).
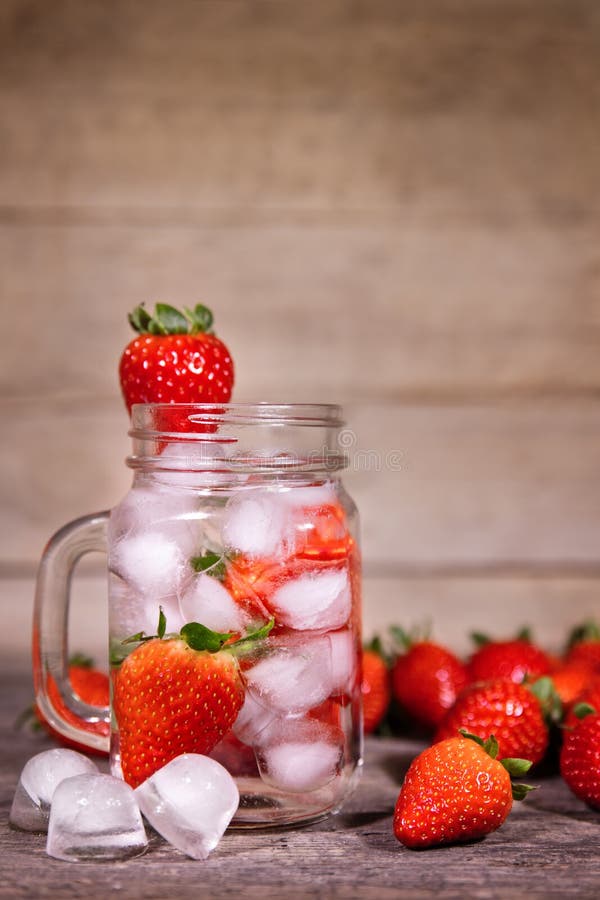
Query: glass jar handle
(76, 720)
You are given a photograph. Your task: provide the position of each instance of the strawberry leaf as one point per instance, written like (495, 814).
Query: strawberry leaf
(516, 767)
(162, 623)
(211, 563)
(582, 710)
(550, 702)
(199, 637)
(520, 791)
(258, 634)
(479, 638)
(170, 320)
(139, 319)
(200, 318)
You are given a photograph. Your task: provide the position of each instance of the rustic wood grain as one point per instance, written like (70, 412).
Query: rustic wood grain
(369, 312)
(548, 848)
(452, 605)
(389, 205)
(487, 484)
(340, 104)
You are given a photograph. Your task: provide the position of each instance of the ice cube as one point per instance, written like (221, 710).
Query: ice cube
(131, 612)
(306, 497)
(252, 718)
(190, 802)
(173, 514)
(293, 676)
(39, 779)
(254, 524)
(343, 661)
(315, 600)
(195, 464)
(205, 600)
(95, 817)
(153, 566)
(300, 755)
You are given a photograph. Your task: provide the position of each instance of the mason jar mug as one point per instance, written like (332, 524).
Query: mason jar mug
(234, 607)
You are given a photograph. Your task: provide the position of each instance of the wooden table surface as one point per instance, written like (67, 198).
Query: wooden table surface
(548, 848)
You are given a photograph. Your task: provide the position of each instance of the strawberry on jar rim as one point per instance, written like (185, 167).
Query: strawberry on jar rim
(175, 358)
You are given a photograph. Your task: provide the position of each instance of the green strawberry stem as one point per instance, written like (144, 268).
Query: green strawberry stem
(210, 563)
(479, 638)
(170, 320)
(582, 710)
(199, 637)
(514, 766)
(587, 631)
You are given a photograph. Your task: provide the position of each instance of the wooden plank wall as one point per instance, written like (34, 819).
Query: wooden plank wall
(390, 204)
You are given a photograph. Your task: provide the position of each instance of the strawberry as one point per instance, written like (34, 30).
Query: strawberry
(590, 697)
(580, 756)
(456, 791)
(571, 679)
(427, 679)
(175, 694)
(509, 711)
(175, 359)
(514, 660)
(91, 686)
(375, 688)
(584, 645)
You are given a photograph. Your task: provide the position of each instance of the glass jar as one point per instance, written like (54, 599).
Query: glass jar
(237, 520)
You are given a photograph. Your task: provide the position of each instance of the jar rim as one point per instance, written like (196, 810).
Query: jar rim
(328, 415)
(296, 437)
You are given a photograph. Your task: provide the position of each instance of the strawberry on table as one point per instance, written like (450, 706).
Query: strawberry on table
(176, 358)
(580, 756)
(426, 679)
(456, 791)
(90, 685)
(584, 645)
(510, 711)
(375, 687)
(177, 693)
(515, 659)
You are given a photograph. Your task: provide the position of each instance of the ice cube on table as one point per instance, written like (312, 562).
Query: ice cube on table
(314, 600)
(300, 755)
(293, 676)
(39, 779)
(95, 817)
(207, 601)
(255, 523)
(190, 802)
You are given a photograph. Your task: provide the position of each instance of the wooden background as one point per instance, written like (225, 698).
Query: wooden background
(390, 204)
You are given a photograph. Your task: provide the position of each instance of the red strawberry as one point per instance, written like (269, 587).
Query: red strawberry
(175, 359)
(590, 697)
(427, 679)
(375, 688)
(509, 711)
(584, 645)
(456, 791)
(571, 679)
(515, 660)
(580, 757)
(172, 695)
(91, 686)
